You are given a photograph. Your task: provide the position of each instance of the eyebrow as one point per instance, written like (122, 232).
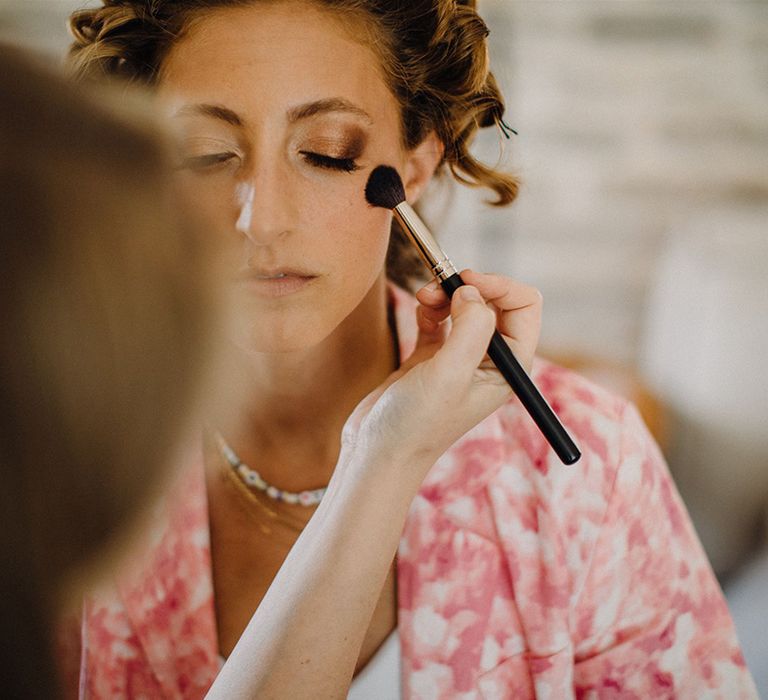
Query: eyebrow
(303, 111)
(210, 110)
(331, 104)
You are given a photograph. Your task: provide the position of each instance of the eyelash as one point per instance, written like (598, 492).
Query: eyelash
(319, 160)
(346, 165)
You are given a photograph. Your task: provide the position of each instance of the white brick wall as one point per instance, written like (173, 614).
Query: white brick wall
(632, 116)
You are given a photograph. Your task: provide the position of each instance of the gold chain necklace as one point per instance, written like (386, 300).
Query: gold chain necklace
(273, 516)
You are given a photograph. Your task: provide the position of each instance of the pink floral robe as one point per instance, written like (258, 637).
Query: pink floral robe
(518, 577)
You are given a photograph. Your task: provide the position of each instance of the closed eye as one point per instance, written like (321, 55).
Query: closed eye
(208, 160)
(319, 160)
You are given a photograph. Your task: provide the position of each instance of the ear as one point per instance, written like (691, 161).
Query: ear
(420, 165)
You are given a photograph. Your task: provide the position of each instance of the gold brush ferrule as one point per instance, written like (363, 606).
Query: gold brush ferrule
(437, 261)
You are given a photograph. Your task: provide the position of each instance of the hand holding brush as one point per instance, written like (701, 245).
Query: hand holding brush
(385, 189)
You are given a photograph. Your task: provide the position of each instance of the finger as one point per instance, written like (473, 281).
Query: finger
(519, 308)
(436, 314)
(428, 324)
(506, 294)
(433, 295)
(435, 302)
(503, 292)
(472, 325)
(430, 337)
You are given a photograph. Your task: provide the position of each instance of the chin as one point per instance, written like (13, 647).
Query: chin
(297, 324)
(281, 336)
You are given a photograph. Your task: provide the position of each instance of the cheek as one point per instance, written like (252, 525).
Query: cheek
(339, 234)
(352, 234)
(215, 196)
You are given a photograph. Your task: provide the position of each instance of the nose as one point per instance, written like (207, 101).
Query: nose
(265, 208)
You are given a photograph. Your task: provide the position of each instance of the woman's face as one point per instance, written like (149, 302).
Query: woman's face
(283, 117)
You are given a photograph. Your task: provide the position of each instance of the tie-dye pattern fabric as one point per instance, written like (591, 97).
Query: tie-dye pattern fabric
(518, 577)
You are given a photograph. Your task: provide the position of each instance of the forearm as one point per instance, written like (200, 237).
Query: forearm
(305, 637)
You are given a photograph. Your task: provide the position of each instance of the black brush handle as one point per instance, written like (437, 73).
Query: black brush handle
(526, 390)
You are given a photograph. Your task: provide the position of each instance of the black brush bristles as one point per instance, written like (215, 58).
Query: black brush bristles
(384, 188)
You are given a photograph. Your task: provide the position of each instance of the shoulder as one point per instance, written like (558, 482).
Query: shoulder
(506, 457)
(619, 459)
(597, 419)
(518, 488)
(549, 517)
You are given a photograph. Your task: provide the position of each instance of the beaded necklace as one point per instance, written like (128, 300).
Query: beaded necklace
(252, 478)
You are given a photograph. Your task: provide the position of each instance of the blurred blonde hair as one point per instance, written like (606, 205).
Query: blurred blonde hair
(109, 304)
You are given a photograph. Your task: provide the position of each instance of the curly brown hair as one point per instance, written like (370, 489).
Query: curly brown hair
(434, 53)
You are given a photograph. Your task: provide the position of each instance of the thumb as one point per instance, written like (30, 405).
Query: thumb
(472, 325)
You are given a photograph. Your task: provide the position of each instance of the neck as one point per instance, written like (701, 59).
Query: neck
(291, 431)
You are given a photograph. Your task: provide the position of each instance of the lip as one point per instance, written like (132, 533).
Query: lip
(276, 282)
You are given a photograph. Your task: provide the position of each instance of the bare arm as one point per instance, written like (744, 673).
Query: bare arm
(305, 637)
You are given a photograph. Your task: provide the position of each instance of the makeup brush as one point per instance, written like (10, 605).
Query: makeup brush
(385, 189)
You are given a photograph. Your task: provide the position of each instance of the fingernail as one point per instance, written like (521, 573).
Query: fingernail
(469, 293)
(433, 286)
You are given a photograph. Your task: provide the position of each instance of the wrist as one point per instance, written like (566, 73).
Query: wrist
(369, 467)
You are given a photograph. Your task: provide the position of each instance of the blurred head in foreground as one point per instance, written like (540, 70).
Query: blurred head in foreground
(109, 306)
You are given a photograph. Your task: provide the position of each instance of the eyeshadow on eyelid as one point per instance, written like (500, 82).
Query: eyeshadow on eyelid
(343, 146)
